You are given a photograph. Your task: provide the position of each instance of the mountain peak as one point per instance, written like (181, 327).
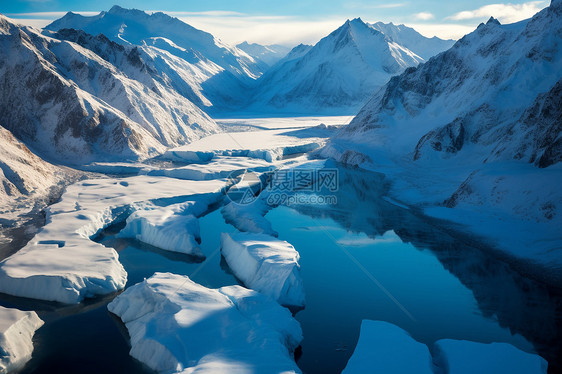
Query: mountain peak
(493, 21)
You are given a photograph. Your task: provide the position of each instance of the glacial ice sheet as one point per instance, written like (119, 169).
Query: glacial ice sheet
(219, 167)
(179, 326)
(267, 145)
(16, 332)
(265, 264)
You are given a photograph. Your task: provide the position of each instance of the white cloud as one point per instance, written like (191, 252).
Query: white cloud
(33, 22)
(424, 16)
(505, 13)
(265, 29)
(234, 27)
(442, 30)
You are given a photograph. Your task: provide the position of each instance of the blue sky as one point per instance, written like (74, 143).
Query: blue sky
(292, 21)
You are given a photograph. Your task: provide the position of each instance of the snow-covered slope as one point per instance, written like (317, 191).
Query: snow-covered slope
(268, 54)
(338, 74)
(193, 61)
(487, 113)
(132, 26)
(22, 173)
(92, 100)
(413, 40)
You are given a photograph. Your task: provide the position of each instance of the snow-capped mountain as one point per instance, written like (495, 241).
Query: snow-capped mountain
(477, 128)
(132, 26)
(89, 100)
(413, 40)
(268, 54)
(338, 74)
(474, 93)
(200, 67)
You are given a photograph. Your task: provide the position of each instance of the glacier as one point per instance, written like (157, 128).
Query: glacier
(270, 145)
(16, 331)
(178, 326)
(265, 264)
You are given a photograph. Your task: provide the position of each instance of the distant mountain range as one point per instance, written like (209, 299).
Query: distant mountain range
(267, 54)
(343, 69)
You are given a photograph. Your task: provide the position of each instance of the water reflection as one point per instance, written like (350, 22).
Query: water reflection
(518, 303)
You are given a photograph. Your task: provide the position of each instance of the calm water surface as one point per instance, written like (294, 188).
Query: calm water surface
(439, 287)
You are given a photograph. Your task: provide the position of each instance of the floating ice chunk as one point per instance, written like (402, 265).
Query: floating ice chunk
(386, 348)
(462, 356)
(220, 167)
(16, 332)
(265, 264)
(62, 263)
(178, 326)
(249, 217)
(171, 232)
(172, 228)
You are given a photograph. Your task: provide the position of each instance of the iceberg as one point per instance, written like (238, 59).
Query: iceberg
(386, 348)
(173, 228)
(265, 264)
(16, 332)
(62, 263)
(465, 357)
(179, 326)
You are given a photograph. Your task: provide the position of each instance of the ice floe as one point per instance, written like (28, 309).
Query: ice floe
(466, 357)
(16, 332)
(173, 228)
(62, 263)
(386, 348)
(179, 326)
(265, 264)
